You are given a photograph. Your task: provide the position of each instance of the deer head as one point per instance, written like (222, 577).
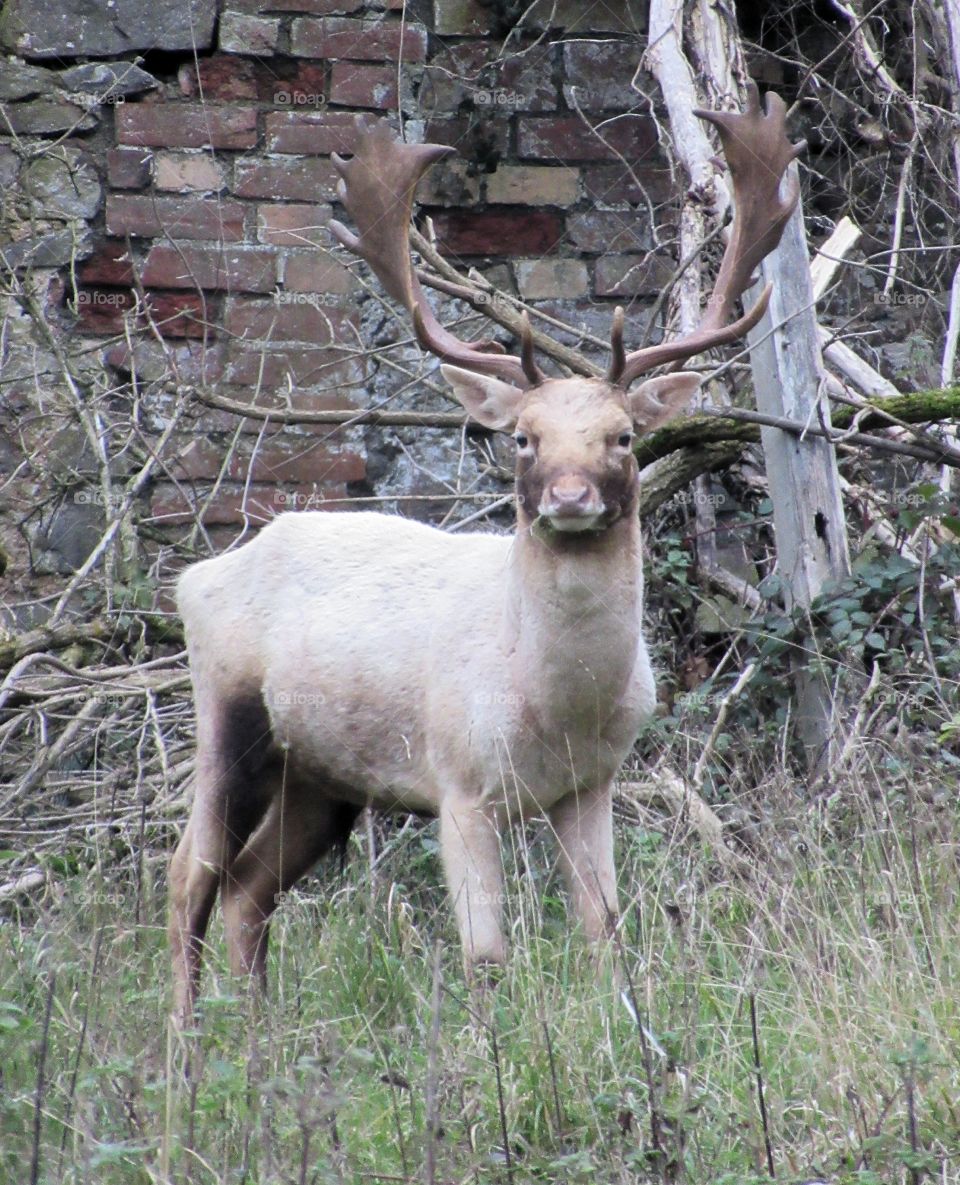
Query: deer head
(575, 437)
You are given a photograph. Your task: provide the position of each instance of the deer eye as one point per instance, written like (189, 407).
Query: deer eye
(625, 439)
(522, 440)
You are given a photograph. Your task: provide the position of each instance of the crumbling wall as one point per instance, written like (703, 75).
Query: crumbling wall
(166, 187)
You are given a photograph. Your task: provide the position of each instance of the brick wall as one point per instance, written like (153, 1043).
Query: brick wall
(206, 181)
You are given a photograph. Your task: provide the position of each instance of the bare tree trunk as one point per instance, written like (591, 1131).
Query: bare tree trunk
(802, 473)
(715, 48)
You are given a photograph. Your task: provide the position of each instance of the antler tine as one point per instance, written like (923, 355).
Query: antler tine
(757, 153)
(376, 186)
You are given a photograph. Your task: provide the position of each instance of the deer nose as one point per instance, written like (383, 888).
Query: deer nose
(570, 496)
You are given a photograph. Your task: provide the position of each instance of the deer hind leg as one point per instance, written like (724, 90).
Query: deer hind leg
(297, 829)
(583, 823)
(229, 802)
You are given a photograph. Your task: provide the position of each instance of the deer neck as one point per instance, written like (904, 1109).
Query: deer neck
(573, 618)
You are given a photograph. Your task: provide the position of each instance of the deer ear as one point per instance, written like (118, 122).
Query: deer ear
(489, 401)
(653, 403)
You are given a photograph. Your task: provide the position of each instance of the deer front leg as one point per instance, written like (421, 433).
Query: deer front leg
(583, 823)
(470, 847)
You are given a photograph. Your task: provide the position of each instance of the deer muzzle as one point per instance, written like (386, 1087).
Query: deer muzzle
(571, 503)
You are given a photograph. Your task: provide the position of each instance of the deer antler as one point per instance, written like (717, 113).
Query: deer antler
(757, 153)
(377, 187)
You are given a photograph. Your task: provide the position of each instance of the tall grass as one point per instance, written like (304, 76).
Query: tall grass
(375, 1062)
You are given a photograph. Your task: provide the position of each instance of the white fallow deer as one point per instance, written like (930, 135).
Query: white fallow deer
(340, 660)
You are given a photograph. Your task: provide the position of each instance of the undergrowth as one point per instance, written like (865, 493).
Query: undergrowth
(375, 1062)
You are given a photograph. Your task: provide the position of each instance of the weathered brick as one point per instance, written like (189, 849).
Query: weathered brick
(474, 73)
(568, 138)
(614, 185)
(618, 275)
(186, 125)
(293, 226)
(179, 218)
(171, 505)
(181, 314)
(294, 179)
(319, 132)
(193, 361)
(363, 40)
(220, 79)
(109, 264)
(598, 75)
(244, 34)
(533, 185)
(307, 271)
(482, 142)
(234, 505)
(497, 232)
(460, 18)
(188, 171)
(357, 84)
(128, 168)
(175, 314)
(305, 89)
(609, 232)
(102, 310)
(274, 366)
(551, 279)
(290, 317)
(451, 182)
(274, 459)
(242, 269)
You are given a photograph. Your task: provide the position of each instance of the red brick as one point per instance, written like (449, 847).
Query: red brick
(186, 125)
(240, 269)
(176, 314)
(241, 33)
(617, 275)
(354, 84)
(614, 185)
(109, 264)
(294, 179)
(128, 168)
(221, 79)
(497, 232)
(483, 142)
(318, 132)
(568, 138)
(102, 310)
(304, 90)
(178, 218)
(609, 232)
(364, 40)
(598, 75)
(279, 367)
(294, 225)
(288, 319)
(171, 505)
(191, 361)
(255, 503)
(184, 172)
(274, 459)
(472, 72)
(308, 271)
